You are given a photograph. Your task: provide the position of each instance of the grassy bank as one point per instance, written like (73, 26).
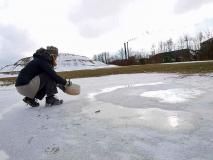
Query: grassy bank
(184, 68)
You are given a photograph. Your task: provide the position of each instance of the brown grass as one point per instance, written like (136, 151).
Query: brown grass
(184, 68)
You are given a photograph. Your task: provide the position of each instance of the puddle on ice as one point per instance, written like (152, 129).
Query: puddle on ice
(178, 95)
(91, 96)
(154, 118)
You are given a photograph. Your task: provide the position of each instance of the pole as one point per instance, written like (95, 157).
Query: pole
(125, 51)
(127, 47)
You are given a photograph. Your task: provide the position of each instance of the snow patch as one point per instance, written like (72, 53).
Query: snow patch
(8, 75)
(3, 155)
(178, 95)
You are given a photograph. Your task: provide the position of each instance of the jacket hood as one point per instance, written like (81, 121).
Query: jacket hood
(42, 54)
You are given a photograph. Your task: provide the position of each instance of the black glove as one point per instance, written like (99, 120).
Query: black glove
(63, 87)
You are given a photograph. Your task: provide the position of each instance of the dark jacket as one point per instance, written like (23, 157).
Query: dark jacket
(41, 63)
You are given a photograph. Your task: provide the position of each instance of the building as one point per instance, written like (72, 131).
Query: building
(206, 50)
(174, 56)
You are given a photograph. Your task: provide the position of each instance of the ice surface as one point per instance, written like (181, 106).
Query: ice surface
(130, 117)
(154, 118)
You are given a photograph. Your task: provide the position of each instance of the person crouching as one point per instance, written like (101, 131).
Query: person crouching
(39, 79)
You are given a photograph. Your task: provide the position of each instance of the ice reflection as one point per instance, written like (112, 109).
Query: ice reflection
(91, 96)
(173, 121)
(154, 118)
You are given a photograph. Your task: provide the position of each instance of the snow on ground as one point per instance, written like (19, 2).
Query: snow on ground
(79, 67)
(128, 117)
(8, 75)
(65, 62)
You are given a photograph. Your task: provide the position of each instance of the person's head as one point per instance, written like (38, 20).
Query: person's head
(53, 51)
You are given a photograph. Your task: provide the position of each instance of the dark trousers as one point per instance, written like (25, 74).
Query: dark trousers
(47, 87)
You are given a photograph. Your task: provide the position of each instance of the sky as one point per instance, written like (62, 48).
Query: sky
(89, 27)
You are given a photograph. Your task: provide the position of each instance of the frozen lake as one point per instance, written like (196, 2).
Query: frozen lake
(119, 117)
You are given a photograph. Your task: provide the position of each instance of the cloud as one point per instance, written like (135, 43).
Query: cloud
(4, 4)
(205, 25)
(14, 43)
(183, 6)
(94, 17)
(208, 22)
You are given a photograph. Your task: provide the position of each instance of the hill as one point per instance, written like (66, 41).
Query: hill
(65, 61)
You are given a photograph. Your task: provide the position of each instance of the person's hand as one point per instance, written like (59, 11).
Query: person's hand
(69, 83)
(62, 87)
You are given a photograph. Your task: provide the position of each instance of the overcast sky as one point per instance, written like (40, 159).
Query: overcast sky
(88, 27)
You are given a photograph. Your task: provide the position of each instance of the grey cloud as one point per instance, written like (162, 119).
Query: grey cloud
(183, 6)
(96, 17)
(13, 43)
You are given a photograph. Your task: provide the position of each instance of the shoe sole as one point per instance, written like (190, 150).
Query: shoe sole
(51, 104)
(27, 102)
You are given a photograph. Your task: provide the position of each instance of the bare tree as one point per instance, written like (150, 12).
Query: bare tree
(170, 45)
(121, 53)
(181, 43)
(100, 58)
(199, 38)
(207, 34)
(187, 41)
(165, 47)
(195, 43)
(104, 57)
(160, 47)
(95, 57)
(153, 49)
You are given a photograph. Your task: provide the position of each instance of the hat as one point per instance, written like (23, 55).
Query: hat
(52, 50)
